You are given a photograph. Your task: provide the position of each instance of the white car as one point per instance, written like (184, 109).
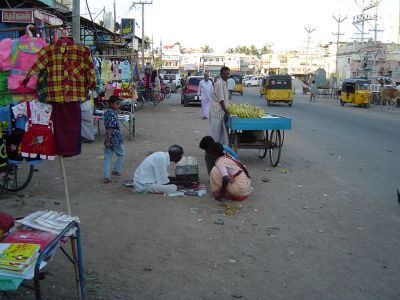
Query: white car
(253, 81)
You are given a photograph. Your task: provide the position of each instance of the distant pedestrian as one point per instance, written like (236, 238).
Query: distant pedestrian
(218, 112)
(114, 142)
(231, 86)
(205, 91)
(313, 91)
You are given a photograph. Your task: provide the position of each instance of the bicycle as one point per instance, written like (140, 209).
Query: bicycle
(150, 96)
(15, 175)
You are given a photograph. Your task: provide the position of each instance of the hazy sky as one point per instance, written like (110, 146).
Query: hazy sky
(229, 23)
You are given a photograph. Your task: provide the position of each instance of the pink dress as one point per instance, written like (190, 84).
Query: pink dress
(24, 52)
(5, 54)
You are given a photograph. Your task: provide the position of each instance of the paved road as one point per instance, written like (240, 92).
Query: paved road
(364, 143)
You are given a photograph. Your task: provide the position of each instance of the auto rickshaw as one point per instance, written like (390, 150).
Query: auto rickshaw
(278, 88)
(355, 91)
(263, 86)
(238, 83)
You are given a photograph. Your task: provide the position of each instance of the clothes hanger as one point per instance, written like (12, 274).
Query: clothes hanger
(28, 30)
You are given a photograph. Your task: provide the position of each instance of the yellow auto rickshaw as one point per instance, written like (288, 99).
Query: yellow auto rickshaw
(278, 88)
(355, 91)
(263, 86)
(238, 83)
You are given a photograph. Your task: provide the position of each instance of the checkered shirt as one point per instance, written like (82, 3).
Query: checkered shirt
(70, 71)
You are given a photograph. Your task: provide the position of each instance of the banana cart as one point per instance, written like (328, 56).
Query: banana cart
(265, 134)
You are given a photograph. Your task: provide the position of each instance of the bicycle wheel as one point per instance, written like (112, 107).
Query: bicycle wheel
(276, 146)
(16, 177)
(139, 102)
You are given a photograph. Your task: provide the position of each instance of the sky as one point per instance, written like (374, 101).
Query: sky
(224, 24)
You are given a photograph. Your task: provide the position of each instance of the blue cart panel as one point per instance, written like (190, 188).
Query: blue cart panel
(269, 122)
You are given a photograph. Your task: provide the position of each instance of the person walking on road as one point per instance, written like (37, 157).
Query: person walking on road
(231, 86)
(204, 92)
(218, 112)
(313, 91)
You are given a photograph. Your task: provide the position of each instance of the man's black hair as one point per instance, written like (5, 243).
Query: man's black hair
(175, 150)
(224, 68)
(205, 142)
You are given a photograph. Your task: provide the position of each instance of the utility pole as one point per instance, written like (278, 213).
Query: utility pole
(338, 34)
(76, 21)
(161, 55)
(115, 17)
(309, 31)
(142, 3)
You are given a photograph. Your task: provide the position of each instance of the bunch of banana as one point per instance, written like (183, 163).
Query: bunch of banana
(246, 111)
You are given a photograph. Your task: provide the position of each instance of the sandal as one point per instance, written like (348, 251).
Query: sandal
(116, 173)
(107, 180)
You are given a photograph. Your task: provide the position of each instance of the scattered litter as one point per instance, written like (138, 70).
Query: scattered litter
(320, 231)
(230, 209)
(57, 203)
(173, 110)
(200, 220)
(305, 207)
(344, 192)
(100, 157)
(325, 195)
(264, 179)
(219, 222)
(196, 131)
(176, 194)
(128, 183)
(291, 252)
(232, 261)
(57, 178)
(271, 230)
(360, 228)
(237, 296)
(254, 224)
(148, 269)
(300, 185)
(284, 171)
(194, 210)
(255, 210)
(339, 157)
(267, 169)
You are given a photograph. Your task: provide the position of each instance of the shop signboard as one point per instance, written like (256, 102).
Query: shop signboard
(128, 28)
(47, 18)
(17, 16)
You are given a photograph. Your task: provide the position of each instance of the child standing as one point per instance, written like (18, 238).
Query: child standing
(113, 142)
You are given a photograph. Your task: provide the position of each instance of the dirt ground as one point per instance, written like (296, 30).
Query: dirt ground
(297, 237)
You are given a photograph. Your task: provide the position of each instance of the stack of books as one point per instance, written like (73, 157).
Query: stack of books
(18, 259)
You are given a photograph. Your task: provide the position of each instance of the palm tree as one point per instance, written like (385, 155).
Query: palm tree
(181, 48)
(266, 49)
(207, 49)
(253, 50)
(230, 50)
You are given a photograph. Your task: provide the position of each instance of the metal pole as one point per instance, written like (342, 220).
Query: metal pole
(309, 31)
(161, 55)
(76, 21)
(338, 20)
(142, 3)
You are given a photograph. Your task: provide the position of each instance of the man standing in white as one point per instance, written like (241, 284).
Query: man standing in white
(231, 86)
(219, 113)
(205, 91)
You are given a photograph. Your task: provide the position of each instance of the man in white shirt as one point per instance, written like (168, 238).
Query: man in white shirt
(218, 112)
(231, 86)
(152, 174)
(205, 91)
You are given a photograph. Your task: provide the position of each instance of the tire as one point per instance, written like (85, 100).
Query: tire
(290, 103)
(139, 102)
(185, 103)
(241, 93)
(248, 85)
(16, 177)
(341, 103)
(275, 140)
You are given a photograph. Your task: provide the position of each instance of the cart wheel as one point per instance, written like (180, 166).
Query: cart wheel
(235, 141)
(341, 103)
(263, 152)
(276, 146)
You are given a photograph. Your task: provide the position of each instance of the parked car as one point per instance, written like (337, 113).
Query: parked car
(172, 80)
(252, 81)
(189, 91)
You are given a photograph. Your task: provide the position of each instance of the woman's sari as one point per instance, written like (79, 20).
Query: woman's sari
(239, 187)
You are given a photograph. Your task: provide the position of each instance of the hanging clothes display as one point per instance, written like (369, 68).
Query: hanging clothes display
(115, 70)
(125, 69)
(70, 71)
(38, 138)
(5, 54)
(24, 51)
(5, 96)
(106, 72)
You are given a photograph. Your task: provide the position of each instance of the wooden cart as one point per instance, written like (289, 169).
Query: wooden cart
(270, 134)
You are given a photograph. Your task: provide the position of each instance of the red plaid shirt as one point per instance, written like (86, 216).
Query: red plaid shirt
(70, 71)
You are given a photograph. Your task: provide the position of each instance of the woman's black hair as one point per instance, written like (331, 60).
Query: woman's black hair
(205, 142)
(216, 148)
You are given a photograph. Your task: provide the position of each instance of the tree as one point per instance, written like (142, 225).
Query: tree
(230, 50)
(253, 50)
(207, 49)
(266, 49)
(181, 48)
